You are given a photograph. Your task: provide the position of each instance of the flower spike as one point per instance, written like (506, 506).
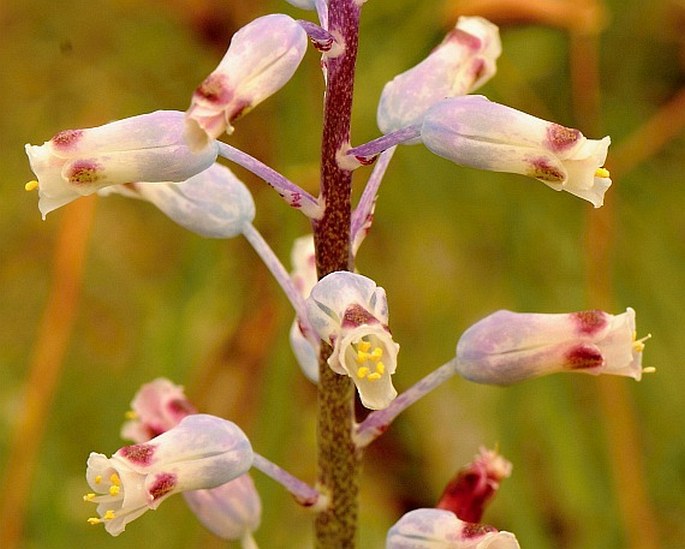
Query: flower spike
(508, 347)
(350, 313)
(473, 131)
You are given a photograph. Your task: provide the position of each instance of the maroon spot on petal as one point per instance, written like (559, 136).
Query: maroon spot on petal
(542, 169)
(214, 89)
(462, 37)
(590, 322)
(140, 454)
(478, 68)
(560, 138)
(66, 139)
(239, 108)
(153, 430)
(164, 483)
(84, 172)
(583, 357)
(356, 315)
(473, 530)
(181, 407)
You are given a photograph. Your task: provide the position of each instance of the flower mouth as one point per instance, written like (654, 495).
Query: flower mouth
(367, 354)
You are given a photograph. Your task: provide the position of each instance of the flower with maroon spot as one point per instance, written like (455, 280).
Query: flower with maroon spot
(350, 313)
(201, 452)
(473, 131)
(149, 147)
(464, 61)
(431, 528)
(260, 60)
(508, 347)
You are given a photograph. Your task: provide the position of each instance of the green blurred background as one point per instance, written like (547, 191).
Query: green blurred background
(597, 462)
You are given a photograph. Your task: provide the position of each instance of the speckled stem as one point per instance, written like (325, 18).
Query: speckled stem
(338, 461)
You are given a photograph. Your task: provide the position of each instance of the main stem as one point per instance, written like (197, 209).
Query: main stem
(338, 462)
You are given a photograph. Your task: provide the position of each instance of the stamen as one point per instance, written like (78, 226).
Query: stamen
(362, 357)
(90, 496)
(374, 377)
(31, 185)
(94, 520)
(363, 345)
(114, 490)
(114, 479)
(98, 479)
(649, 370)
(131, 415)
(363, 372)
(376, 354)
(109, 515)
(639, 344)
(602, 172)
(380, 368)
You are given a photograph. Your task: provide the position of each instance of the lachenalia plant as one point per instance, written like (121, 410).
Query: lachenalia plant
(341, 334)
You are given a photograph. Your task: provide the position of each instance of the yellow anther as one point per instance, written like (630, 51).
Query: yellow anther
(649, 370)
(602, 172)
(98, 479)
(362, 357)
(114, 479)
(131, 415)
(639, 344)
(90, 496)
(376, 354)
(380, 368)
(94, 520)
(114, 490)
(364, 345)
(109, 515)
(374, 377)
(363, 372)
(31, 185)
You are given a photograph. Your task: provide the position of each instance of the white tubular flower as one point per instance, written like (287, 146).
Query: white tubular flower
(213, 203)
(473, 131)
(350, 312)
(303, 4)
(150, 147)
(261, 58)
(463, 62)
(507, 347)
(231, 511)
(201, 452)
(304, 278)
(438, 528)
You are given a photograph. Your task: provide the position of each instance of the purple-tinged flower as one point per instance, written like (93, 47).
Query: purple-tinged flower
(304, 278)
(473, 131)
(350, 313)
(157, 407)
(149, 147)
(438, 528)
(463, 62)
(230, 511)
(201, 452)
(261, 58)
(467, 494)
(213, 203)
(507, 347)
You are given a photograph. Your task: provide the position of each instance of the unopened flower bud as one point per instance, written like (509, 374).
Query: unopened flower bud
(213, 203)
(150, 147)
(261, 58)
(463, 62)
(508, 347)
(432, 528)
(475, 132)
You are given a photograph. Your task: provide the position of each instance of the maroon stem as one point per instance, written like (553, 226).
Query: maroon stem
(338, 461)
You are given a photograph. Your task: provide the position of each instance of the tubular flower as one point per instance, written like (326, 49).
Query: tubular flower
(149, 147)
(473, 131)
(463, 62)
(475, 485)
(350, 312)
(213, 203)
(435, 528)
(507, 347)
(232, 510)
(201, 452)
(261, 58)
(304, 278)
